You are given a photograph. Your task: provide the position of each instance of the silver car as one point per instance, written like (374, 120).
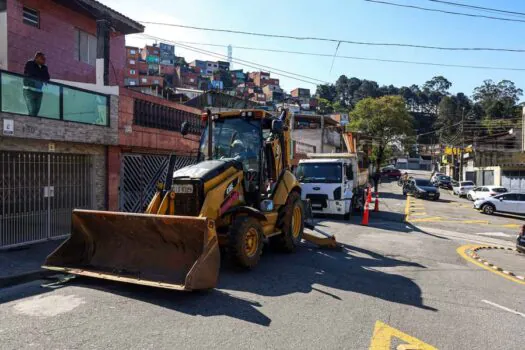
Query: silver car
(513, 203)
(461, 188)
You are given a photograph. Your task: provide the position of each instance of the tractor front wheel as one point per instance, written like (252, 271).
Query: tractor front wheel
(245, 241)
(291, 222)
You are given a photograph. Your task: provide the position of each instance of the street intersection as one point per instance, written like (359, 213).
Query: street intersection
(399, 283)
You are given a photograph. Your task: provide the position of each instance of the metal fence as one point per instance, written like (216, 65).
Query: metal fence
(139, 175)
(38, 191)
(153, 115)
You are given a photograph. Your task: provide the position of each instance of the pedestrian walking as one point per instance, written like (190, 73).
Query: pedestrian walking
(36, 75)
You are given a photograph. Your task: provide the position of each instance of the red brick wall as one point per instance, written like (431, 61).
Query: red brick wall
(153, 139)
(56, 39)
(167, 69)
(143, 140)
(150, 80)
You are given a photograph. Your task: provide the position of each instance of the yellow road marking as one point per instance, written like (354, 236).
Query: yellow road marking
(383, 334)
(407, 209)
(462, 251)
(512, 226)
(418, 214)
(430, 219)
(482, 222)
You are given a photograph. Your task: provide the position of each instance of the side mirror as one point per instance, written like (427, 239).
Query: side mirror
(277, 126)
(185, 128)
(349, 172)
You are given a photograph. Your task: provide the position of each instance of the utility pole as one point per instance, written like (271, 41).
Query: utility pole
(462, 144)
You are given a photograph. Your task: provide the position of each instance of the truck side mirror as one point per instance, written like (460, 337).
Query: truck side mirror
(185, 128)
(277, 126)
(349, 172)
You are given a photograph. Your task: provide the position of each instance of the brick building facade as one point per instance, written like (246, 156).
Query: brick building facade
(61, 27)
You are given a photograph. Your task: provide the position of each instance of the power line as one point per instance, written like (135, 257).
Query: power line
(357, 57)
(478, 7)
(337, 40)
(447, 12)
(246, 63)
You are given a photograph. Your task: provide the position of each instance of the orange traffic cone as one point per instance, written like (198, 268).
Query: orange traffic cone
(365, 214)
(376, 206)
(369, 197)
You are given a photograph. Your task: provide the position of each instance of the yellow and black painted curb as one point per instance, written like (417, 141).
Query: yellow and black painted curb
(473, 254)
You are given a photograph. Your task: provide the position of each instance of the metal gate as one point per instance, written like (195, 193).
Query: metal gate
(485, 178)
(138, 178)
(38, 191)
(470, 176)
(513, 180)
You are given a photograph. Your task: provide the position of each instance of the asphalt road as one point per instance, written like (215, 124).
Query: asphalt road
(407, 275)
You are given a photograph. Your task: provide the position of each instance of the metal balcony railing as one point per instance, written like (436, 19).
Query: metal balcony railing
(26, 96)
(153, 115)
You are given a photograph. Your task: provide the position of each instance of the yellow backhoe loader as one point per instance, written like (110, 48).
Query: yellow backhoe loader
(240, 194)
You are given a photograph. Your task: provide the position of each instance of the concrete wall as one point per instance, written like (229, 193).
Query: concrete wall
(26, 127)
(313, 137)
(56, 38)
(96, 152)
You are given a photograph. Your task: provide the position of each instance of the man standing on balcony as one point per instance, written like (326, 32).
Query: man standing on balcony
(36, 75)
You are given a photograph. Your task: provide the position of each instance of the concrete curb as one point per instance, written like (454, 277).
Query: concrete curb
(30, 276)
(472, 253)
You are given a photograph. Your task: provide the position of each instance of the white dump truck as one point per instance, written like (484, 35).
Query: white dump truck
(333, 182)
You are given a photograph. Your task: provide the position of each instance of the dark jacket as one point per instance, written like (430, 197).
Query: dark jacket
(39, 74)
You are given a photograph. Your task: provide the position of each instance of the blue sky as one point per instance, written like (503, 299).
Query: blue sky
(343, 19)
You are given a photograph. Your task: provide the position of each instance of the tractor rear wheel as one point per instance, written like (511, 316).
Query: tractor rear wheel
(245, 241)
(291, 222)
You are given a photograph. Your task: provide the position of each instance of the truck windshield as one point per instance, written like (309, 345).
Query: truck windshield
(236, 138)
(320, 172)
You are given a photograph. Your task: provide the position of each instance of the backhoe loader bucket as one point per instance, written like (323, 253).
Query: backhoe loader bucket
(175, 252)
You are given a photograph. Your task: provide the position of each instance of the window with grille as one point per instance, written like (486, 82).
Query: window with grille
(85, 47)
(31, 17)
(132, 72)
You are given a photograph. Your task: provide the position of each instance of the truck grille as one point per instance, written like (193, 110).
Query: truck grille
(318, 199)
(189, 204)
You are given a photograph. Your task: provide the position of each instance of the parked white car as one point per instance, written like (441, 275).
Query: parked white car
(482, 192)
(434, 177)
(462, 188)
(513, 203)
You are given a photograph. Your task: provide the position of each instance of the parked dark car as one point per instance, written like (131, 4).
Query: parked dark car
(443, 181)
(391, 173)
(421, 188)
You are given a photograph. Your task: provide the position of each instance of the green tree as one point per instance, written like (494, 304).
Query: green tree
(324, 106)
(326, 91)
(386, 119)
(498, 100)
(438, 84)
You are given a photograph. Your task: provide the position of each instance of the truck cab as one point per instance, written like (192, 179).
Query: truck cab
(329, 182)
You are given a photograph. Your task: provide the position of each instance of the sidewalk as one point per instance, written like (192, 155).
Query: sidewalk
(22, 264)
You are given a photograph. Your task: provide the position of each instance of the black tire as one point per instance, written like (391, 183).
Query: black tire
(488, 209)
(287, 241)
(436, 198)
(238, 245)
(469, 197)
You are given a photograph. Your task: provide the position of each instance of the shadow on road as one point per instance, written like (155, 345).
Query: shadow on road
(390, 195)
(309, 270)
(508, 216)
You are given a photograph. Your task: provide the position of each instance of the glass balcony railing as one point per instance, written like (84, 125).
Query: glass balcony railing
(31, 97)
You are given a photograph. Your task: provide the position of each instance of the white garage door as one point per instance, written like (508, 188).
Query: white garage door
(513, 180)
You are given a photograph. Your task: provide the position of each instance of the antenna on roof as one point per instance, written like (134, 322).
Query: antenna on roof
(230, 51)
